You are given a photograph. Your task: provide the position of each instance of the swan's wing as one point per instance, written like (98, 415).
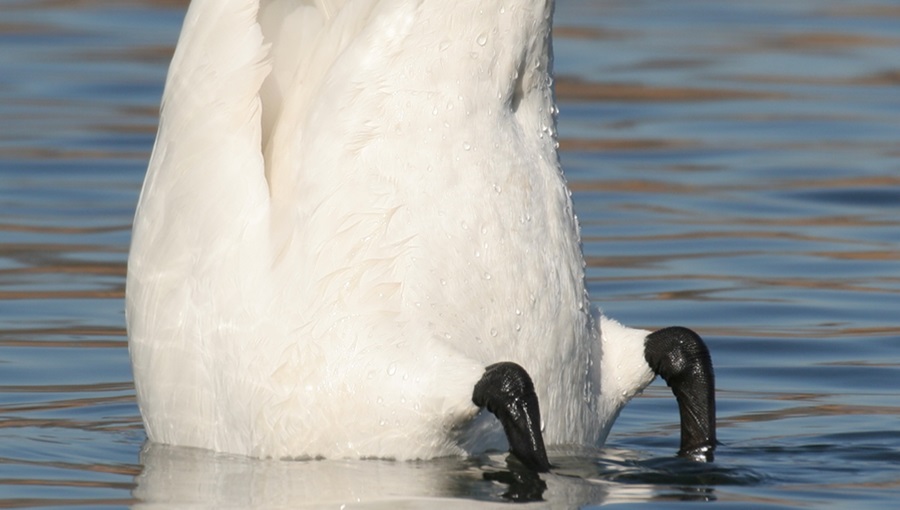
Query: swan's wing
(302, 40)
(199, 242)
(320, 190)
(205, 183)
(308, 41)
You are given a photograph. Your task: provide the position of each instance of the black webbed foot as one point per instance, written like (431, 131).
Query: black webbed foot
(680, 357)
(506, 390)
(524, 484)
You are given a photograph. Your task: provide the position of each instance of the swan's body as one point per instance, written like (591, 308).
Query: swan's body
(352, 209)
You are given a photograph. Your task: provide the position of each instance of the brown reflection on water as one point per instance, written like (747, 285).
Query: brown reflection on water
(573, 89)
(584, 32)
(819, 332)
(47, 258)
(863, 10)
(63, 154)
(50, 5)
(62, 502)
(888, 78)
(111, 337)
(83, 401)
(70, 404)
(806, 411)
(605, 145)
(818, 42)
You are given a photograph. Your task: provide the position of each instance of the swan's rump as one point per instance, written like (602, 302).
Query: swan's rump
(351, 209)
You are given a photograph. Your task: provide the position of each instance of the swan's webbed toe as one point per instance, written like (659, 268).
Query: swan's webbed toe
(506, 390)
(681, 358)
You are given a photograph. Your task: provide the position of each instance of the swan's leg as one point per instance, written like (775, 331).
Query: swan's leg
(506, 390)
(680, 357)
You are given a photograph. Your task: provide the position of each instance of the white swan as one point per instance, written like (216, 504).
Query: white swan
(355, 207)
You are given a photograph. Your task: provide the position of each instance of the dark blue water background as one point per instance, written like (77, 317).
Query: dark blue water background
(735, 167)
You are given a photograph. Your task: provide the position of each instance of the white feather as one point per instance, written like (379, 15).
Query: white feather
(351, 209)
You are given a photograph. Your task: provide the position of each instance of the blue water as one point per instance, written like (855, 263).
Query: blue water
(735, 167)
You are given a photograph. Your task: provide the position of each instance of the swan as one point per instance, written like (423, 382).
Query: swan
(354, 239)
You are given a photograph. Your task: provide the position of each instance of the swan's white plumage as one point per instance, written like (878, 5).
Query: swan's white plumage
(351, 209)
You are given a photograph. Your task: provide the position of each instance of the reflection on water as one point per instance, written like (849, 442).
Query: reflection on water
(192, 476)
(195, 476)
(735, 167)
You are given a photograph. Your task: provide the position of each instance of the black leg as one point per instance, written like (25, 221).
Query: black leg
(680, 357)
(506, 390)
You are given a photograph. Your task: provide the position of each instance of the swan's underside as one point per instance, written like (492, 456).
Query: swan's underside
(352, 209)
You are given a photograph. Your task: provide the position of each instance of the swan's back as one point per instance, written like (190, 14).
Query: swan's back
(351, 209)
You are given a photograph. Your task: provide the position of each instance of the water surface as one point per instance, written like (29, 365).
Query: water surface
(735, 167)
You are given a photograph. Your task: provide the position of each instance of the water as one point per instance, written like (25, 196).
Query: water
(735, 166)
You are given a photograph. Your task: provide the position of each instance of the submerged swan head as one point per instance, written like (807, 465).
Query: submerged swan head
(355, 240)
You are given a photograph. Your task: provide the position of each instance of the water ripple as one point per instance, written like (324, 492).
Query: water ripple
(734, 169)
